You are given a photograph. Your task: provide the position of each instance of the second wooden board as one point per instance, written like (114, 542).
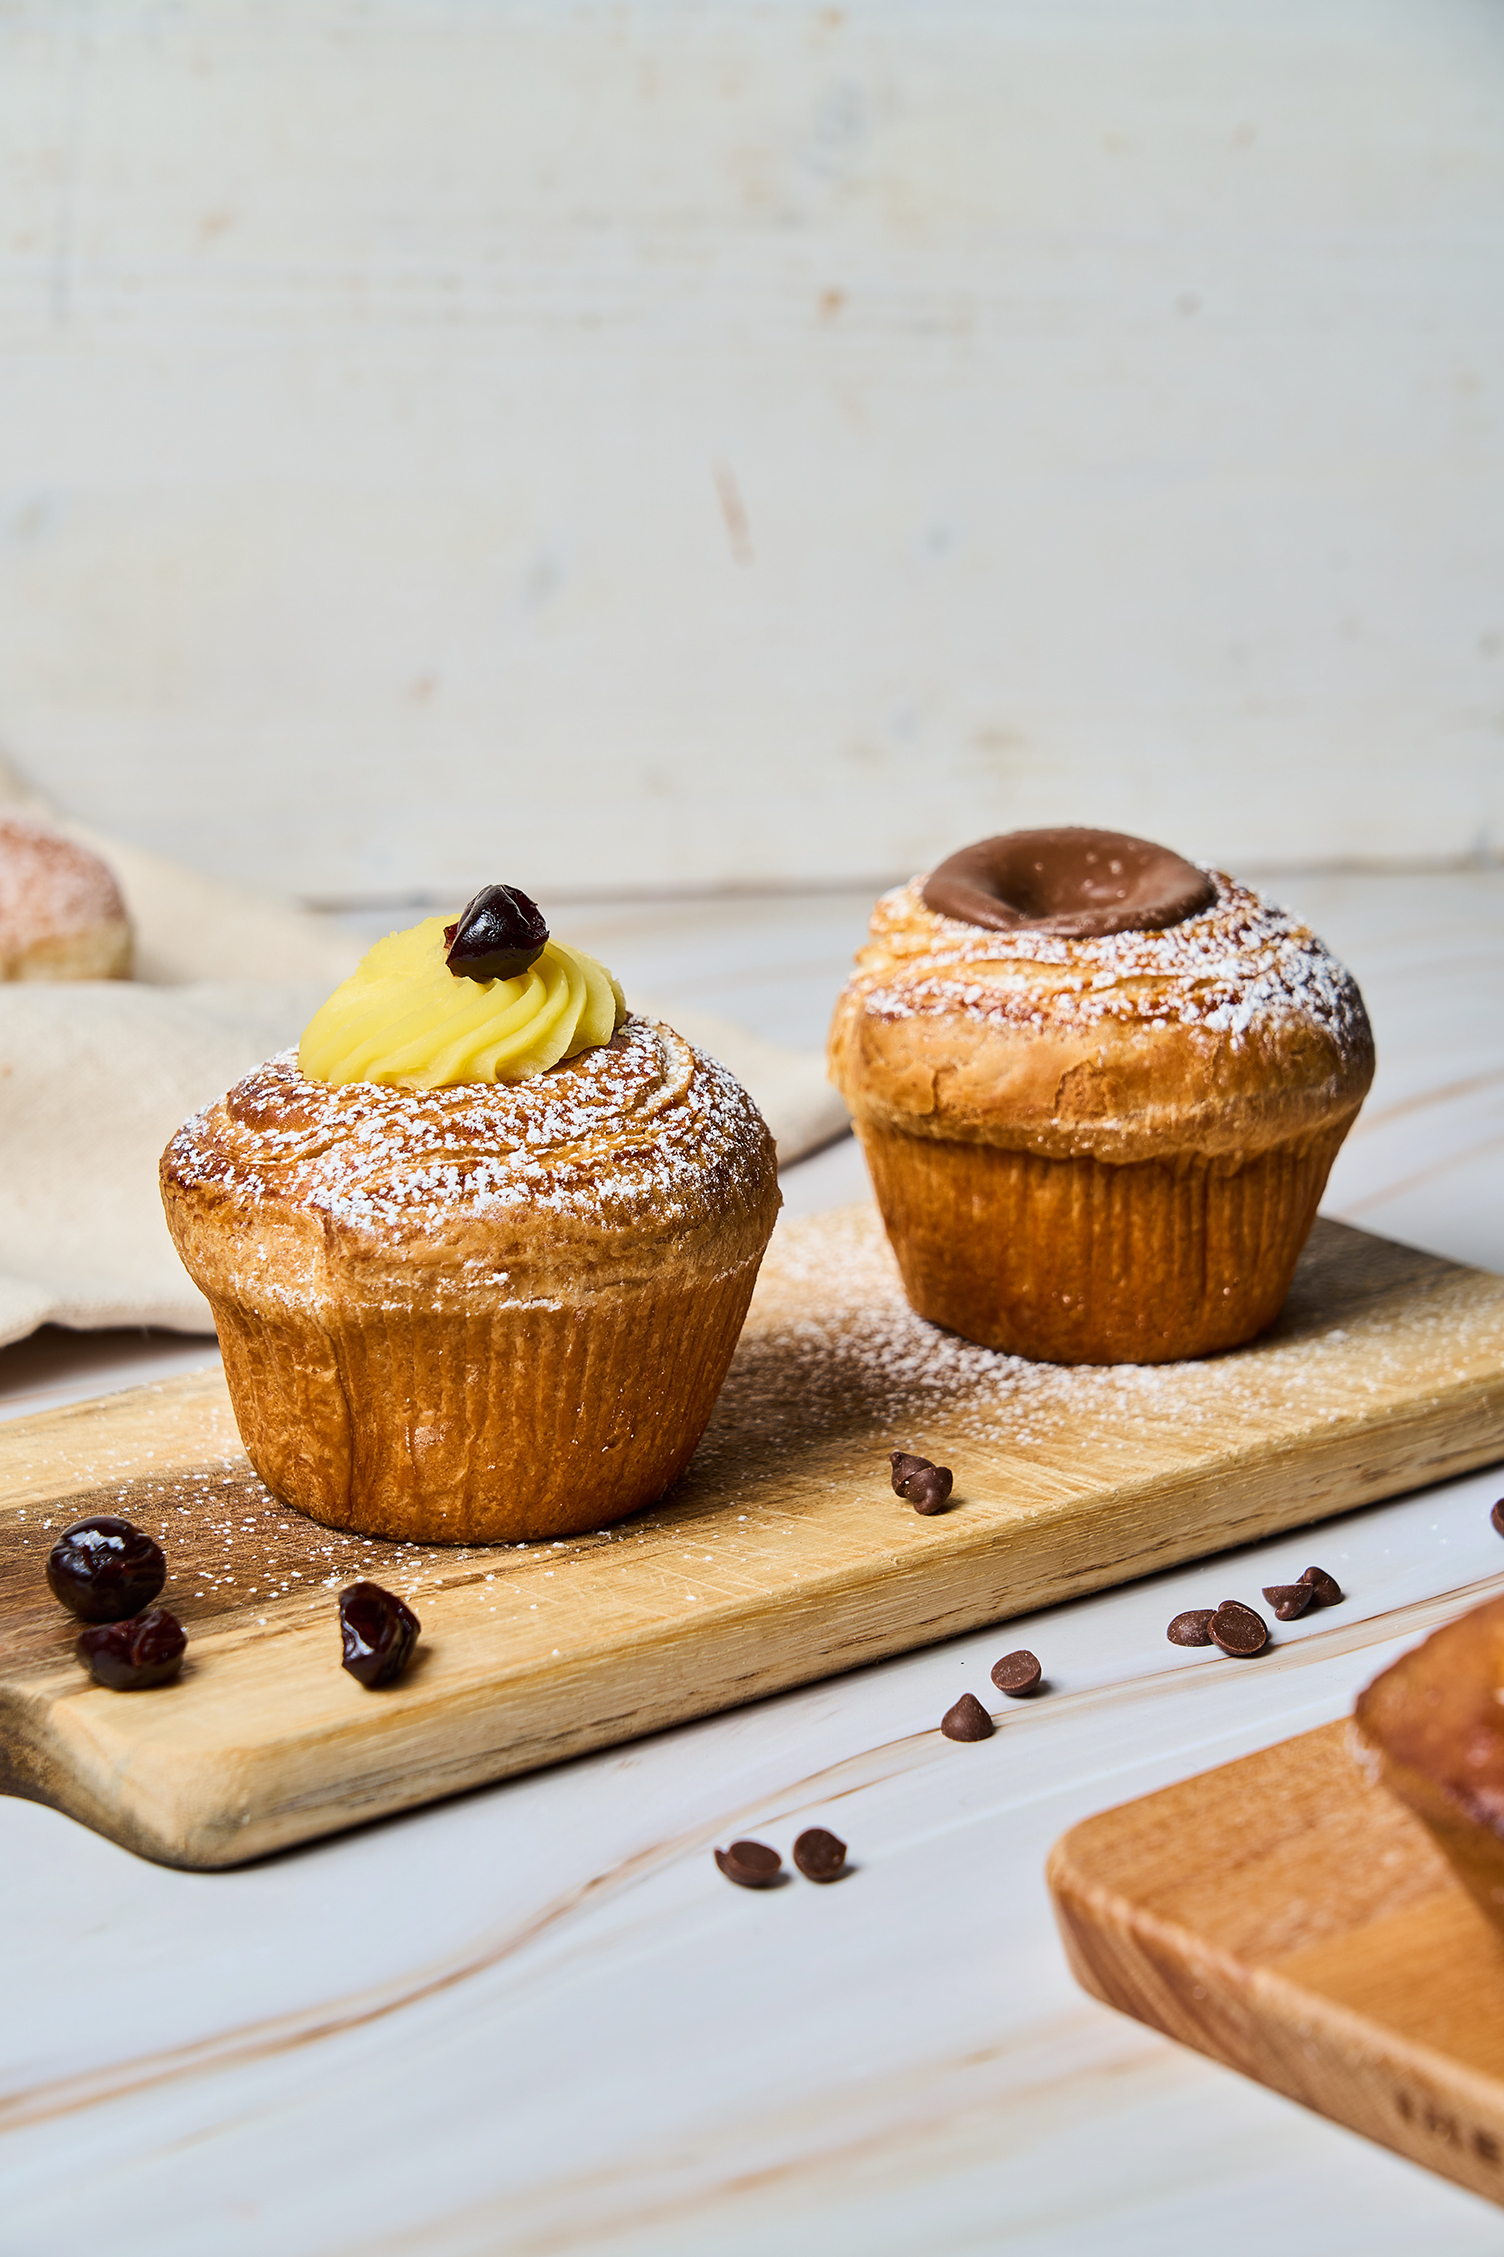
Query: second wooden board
(782, 1556)
(1291, 1919)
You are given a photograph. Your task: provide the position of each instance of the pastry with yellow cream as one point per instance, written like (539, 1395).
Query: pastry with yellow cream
(479, 1252)
(1099, 1089)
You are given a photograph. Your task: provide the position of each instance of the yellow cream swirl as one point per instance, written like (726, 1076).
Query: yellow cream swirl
(403, 1018)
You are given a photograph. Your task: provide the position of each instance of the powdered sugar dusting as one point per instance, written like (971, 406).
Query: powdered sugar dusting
(645, 1126)
(832, 1336)
(1240, 966)
(48, 885)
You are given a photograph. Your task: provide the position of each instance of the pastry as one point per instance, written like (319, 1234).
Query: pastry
(61, 915)
(480, 1252)
(1433, 1728)
(1099, 1090)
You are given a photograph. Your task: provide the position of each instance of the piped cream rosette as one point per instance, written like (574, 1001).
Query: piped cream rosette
(402, 1017)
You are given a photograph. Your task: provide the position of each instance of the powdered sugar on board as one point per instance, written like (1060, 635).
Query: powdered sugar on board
(831, 1334)
(833, 1371)
(782, 1555)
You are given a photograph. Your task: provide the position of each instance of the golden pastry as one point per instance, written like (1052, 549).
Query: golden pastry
(480, 1253)
(61, 915)
(1433, 1726)
(1099, 1091)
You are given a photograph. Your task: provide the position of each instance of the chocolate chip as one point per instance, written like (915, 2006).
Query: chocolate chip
(1016, 1674)
(751, 1865)
(1193, 1628)
(1326, 1591)
(920, 1483)
(820, 1856)
(968, 1720)
(1238, 1630)
(129, 1656)
(379, 1633)
(498, 934)
(1288, 1600)
(930, 1492)
(105, 1570)
(1497, 1517)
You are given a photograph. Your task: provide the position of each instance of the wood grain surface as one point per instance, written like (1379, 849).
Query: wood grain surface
(1292, 1919)
(781, 1557)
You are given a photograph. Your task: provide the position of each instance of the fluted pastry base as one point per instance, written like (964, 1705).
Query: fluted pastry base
(525, 1422)
(480, 1313)
(1079, 1261)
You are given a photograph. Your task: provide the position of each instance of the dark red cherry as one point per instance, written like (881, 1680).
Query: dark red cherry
(379, 1632)
(129, 1656)
(495, 936)
(104, 1569)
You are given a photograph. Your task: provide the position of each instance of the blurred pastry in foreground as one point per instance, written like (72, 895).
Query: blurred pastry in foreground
(1099, 1090)
(480, 1251)
(61, 915)
(1433, 1727)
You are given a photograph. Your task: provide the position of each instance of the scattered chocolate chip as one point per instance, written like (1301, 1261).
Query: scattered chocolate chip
(1016, 1674)
(129, 1656)
(379, 1633)
(1193, 1628)
(1497, 1517)
(1326, 1591)
(820, 1856)
(105, 1570)
(920, 1483)
(968, 1720)
(1288, 1600)
(1238, 1630)
(751, 1865)
(499, 933)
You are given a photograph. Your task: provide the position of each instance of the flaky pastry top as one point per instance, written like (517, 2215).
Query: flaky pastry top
(634, 1152)
(1224, 1034)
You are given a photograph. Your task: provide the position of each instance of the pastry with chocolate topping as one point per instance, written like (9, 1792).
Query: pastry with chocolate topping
(480, 1249)
(1099, 1090)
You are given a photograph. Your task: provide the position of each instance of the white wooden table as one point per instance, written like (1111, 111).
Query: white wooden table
(538, 2020)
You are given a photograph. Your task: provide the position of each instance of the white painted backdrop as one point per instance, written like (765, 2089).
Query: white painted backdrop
(671, 445)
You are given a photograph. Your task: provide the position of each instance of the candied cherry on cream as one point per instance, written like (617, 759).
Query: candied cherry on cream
(379, 1632)
(130, 1656)
(104, 1569)
(496, 936)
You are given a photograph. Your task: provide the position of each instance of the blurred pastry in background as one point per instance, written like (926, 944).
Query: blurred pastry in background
(1431, 1728)
(61, 914)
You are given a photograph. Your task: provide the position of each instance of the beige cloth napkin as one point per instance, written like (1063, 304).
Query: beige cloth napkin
(95, 1075)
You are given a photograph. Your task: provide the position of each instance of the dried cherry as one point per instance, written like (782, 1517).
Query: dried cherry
(497, 935)
(379, 1632)
(105, 1570)
(129, 1656)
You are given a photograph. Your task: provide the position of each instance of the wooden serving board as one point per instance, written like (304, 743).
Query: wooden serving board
(1295, 1921)
(780, 1557)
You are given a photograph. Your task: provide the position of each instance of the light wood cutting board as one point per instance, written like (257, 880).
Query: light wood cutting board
(781, 1556)
(1296, 1922)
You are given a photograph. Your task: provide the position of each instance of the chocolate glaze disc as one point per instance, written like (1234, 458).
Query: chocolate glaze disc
(1072, 881)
